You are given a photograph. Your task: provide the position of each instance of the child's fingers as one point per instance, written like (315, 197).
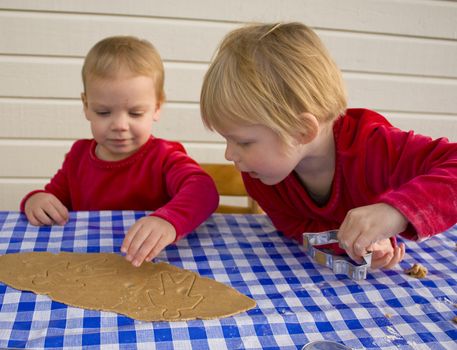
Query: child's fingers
(146, 238)
(57, 212)
(161, 244)
(401, 248)
(399, 254)
(401, 251)
(346, 239)
(397, 257)
(63, 212)
(394, 261)
(46, 209)
(382, 261)
(133, 230)
(42, 217)
(354, 239)
(33, 219)
(343, 237)
(369, 240)
(137, 245)
(145, 248)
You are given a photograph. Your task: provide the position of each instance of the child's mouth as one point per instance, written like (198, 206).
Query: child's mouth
(119, 141)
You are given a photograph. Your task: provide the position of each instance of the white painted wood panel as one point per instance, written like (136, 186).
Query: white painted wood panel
(74, 34)
(423, 18)
(392, 55)
(426, 124)
(402, 93)
(13, 190)
(352, 51)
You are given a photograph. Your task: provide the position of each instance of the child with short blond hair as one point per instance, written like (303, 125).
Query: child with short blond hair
(124, 167)
(276, 96)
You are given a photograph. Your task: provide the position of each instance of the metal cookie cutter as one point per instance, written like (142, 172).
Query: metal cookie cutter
(340, 264)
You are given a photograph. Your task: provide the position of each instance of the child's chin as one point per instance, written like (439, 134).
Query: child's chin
(265, 180)
(269, 182)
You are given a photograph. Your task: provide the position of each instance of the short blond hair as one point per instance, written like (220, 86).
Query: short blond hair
(110, 55)
(269, 74)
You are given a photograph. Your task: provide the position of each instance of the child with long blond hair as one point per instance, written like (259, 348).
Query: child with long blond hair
(276, 96)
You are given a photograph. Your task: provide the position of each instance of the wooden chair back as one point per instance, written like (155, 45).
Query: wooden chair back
(230, 183)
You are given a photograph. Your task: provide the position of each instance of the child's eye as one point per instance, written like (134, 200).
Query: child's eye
(136, 114)
(245, 144)
(102, 112)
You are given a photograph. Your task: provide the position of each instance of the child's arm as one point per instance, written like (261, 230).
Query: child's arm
(418, 176)
(416, 179)
(194, 199)
(193, 194)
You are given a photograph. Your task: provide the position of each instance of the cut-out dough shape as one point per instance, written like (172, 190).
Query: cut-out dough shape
(104, 281)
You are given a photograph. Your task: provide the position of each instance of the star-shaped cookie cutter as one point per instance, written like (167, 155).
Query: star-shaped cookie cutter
(340, 264)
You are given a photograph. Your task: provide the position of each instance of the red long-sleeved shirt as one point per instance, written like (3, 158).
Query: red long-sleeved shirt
(375, 162)
(160, 176)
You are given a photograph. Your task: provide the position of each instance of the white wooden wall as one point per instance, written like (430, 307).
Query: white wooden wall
(397, 57)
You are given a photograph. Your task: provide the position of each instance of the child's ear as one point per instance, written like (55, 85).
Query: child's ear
(156, 115)
(310, 128)
(84, 101)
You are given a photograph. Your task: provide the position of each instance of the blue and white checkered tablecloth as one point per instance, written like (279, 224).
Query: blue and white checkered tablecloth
(298, 301)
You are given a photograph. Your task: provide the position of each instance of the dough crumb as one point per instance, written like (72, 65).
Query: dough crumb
(417, 271)
(454, 319)
(388, 315)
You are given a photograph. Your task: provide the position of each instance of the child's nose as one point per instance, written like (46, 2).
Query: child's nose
(120, 122)
(230, 153)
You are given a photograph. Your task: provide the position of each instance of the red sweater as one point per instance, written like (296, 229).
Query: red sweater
(160, 176)
(375, 162)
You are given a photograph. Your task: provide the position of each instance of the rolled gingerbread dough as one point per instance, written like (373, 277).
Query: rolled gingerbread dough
(104, 281)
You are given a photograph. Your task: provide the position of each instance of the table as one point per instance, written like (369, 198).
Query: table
(297, 300)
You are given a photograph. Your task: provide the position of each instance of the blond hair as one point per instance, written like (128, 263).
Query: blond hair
(113, 54)
(269, 74)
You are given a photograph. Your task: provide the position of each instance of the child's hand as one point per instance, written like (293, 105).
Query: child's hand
(45, 209)
(384, 255)
(146, 239)
(364, 226)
